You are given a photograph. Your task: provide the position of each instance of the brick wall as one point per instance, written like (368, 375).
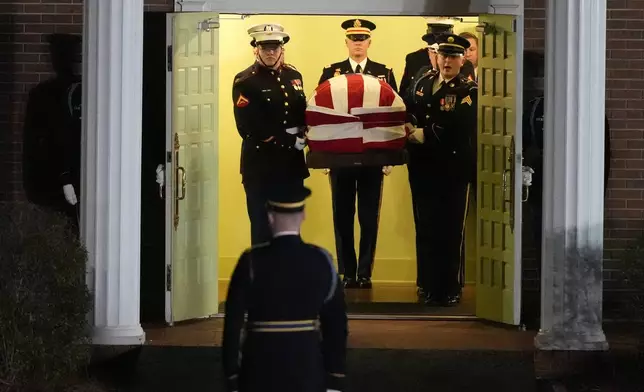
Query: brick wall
(624, 208)
(24, 63)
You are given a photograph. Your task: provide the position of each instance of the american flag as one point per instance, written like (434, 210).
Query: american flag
(354, 113)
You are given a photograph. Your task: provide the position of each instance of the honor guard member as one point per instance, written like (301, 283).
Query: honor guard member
(358, 41)
(533, 125)
(426, 57)
(366, 182)
(269, 105)
(295, 335)
(443, 105)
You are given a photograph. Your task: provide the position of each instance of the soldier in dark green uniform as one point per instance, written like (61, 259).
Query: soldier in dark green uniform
(444, 108)
(421, 58)
(269, 105)
(296, 332)
(363, 182)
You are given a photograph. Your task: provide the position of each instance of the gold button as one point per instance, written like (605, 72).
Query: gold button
(286, 112)
(279, 80)
(272, 73)
(427, 116)
(285, 103)
(284, 121)
(268, 99)
(286, 94)
(282, 87)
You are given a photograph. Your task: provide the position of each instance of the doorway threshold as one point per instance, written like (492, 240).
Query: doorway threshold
(411, 317)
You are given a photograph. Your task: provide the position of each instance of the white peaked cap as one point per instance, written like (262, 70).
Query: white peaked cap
(440, 20)
(434, 47)
(268, 32)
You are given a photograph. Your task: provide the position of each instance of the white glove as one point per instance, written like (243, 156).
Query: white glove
(160, 175)
(332, 390)
(386, 170)
(417, 136)
(326, 171)
(70, 194)
(527, 175)
(409, 127)
(300, 143)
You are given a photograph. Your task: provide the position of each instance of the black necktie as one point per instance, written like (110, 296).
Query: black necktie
(358, 69)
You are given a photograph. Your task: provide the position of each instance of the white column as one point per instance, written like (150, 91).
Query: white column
(573, 194)
(111, 177)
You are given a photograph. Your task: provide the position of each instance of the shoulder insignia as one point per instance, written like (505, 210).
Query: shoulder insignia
(328, 66)
(242, 101)
(242, 77)
(430, 72)
(467, 100)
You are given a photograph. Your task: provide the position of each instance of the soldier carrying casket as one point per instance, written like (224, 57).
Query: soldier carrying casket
(443, 104)
(426, 57)
(362, 179)
(269, 105)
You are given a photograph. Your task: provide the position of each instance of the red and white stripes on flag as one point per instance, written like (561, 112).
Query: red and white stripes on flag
(353, 113)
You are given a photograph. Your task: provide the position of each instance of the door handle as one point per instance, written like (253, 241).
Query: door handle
(181, 170)
(183, 182)
(510, 172)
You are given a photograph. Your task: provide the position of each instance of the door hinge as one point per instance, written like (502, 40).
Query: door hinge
(168, 278)
(207, 25)
(169, 56)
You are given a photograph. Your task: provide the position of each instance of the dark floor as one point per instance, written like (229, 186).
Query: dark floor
(188, 369)
(393, 299)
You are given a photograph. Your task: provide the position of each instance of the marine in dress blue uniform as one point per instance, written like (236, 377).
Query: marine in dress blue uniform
(269, 106)
(443, 107)
(363, 182)
(295, 335)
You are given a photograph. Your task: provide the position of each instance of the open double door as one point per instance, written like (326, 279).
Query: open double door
(192, 169)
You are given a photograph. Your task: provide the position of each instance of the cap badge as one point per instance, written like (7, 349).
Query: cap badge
(357, 23)
(450, 39)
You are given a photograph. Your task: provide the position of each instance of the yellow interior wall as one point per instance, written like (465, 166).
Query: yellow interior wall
(317, 41)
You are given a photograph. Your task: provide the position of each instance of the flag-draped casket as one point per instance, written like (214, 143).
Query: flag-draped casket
(355, 120)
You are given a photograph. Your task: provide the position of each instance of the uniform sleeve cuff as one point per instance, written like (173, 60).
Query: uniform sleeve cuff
(232, 383)
(335, 381)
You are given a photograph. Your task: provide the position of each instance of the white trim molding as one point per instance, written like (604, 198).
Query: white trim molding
(111, 166)
(364, 7)
(573, 193)
(192, 6)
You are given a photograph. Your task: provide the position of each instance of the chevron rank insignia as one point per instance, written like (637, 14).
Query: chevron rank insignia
(467, 100)
(242, 101)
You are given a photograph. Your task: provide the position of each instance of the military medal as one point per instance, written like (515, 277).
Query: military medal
(420, 92)
(448, 103)
(337, 72)
(297, 84)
